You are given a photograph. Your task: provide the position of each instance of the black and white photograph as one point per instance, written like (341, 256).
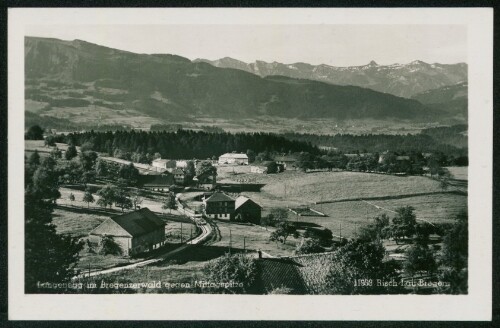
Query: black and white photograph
(286, 154)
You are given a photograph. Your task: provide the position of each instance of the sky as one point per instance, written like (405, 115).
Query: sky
(336, 45)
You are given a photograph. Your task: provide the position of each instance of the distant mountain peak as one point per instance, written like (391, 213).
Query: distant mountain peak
(403, 80)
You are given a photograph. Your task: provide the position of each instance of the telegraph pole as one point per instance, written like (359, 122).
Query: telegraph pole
(244, 244)
(340, 232)
(230, 241)
(181, 232)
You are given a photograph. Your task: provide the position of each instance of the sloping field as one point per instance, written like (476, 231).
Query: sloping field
(297, 188)
(252, 238)
(347, 217)
(459, 172)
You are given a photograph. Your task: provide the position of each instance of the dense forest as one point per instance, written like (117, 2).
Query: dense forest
(448, 140)
(186, 143)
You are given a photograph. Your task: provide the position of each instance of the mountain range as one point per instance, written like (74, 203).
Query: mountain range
(403, 80)
(77, 79)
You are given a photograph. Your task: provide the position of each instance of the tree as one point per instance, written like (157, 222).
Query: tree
(88, 198)
(169, 202)
(454, 257)
(50, 140)
(71, 197)
(237, 268)
(251, 155)
(376, 230)
(419, 258)
(107, 195)
(70, 152)
(355, 268)
(404, 223)
(34, 159)
(129, 173)
(88, 160)
(190, 171)
(88, 177)
(45, 183)
(49, 257)
(108, 246)
(101, 168)
(308, 246)
(136, 198)
(55, 153)
(206, 168)
(122, 199)
(284, 229)
(35, 132)
(279, 214)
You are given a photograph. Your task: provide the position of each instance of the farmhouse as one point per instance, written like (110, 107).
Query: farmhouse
(219, 206)
(233, 158)
(179, 176)
(249, 210)
(161, 182)
(288, 162)
(134, 232)
(164, 164)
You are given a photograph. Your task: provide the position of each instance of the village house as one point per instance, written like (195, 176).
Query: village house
(135, 232)
(219, 206)
(288, 162)
(179, 176)
(161, 164)
(234, 158)
(157, 182)
(250, 211)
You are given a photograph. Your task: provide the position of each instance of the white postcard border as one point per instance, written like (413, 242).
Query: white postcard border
(474, 306)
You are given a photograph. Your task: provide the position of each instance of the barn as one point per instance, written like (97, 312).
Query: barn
(135, 232)
(234, 158)
(249, 210)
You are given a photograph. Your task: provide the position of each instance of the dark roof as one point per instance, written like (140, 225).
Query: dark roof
(242, 200)
(304, 274)
(135, 223)
(156, 180)
(219, 197)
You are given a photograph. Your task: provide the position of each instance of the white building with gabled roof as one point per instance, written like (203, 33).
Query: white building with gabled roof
(234, 158)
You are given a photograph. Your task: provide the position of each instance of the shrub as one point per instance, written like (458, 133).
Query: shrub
(109, 246)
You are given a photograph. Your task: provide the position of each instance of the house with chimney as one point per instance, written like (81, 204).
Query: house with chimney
(135, 232)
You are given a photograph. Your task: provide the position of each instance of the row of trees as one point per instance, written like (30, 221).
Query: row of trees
(451, 141)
